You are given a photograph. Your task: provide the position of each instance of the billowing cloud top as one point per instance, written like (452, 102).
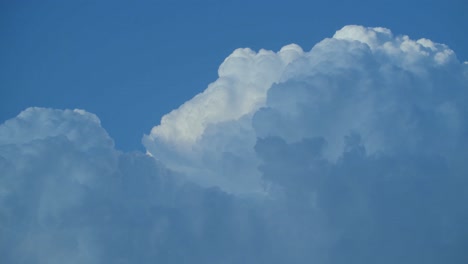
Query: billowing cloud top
(363, 80)
(244, 78)
(358, 148)
(38, 123)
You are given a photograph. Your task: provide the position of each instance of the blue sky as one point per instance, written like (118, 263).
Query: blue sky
(133, 62)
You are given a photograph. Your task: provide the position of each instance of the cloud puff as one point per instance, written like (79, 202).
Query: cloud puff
(67, 196)
(38, 123)
(244, 78)
(363, 80)
(368, 132)
(357, 147)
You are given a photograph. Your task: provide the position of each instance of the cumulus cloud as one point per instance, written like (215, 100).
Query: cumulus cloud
(362, 80)
(352, 152)
(61, 202)
(244, 78)
(191, 137)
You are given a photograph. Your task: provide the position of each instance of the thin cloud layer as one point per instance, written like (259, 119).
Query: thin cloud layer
(352, 152)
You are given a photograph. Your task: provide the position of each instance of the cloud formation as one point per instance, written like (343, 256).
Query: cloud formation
(362, 80)
(67, 196)
(352, 152)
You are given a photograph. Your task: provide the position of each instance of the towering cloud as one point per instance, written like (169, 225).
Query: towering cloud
(352, 152)
(393, 91)
(213, 128)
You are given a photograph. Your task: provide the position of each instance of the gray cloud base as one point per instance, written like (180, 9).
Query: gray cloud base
(355, 152)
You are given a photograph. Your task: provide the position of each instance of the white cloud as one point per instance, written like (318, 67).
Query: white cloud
(37, 123)
(373, 37)
(244, 78)
(363, 79)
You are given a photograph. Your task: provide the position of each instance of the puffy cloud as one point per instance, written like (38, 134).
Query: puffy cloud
(37, 123)
(244, 78)
(66, 195)
(191, 137)
(365, 83)
(357, 146)
(372, 140)
(362, 80)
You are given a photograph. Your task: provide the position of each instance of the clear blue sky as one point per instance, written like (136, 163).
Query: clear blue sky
(130, 62)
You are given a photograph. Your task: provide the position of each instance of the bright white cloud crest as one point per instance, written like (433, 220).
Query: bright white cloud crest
(359, 147)
(37, 123)
(244, 78)
(361, 80)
